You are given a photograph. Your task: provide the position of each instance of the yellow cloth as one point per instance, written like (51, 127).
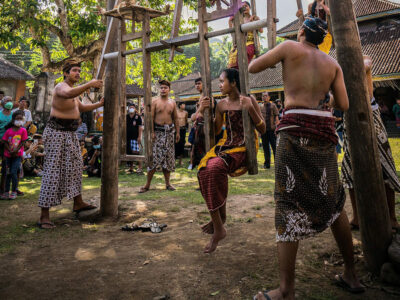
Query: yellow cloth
(211, 154)
(326, 44)
(232, 60)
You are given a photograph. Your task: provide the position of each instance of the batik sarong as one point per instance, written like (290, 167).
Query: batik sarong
(180, 145)
(308, 193)
(199, 144)
(164, 148)
(385, 154)
(62, 169)
(228, 157)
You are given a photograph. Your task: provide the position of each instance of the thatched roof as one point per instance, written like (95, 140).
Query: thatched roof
(12, 72)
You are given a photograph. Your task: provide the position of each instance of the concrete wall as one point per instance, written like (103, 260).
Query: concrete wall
(9, 87)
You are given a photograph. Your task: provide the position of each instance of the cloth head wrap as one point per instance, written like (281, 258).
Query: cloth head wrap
(315, 29)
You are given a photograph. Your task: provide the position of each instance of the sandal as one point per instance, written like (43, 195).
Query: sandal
(170, 188)
(51, 224)
(354, 227)
(143, 190)
(265, 294)
(88, 207)
(339, 281)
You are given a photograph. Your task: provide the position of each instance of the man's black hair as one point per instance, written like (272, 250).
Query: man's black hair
(95, 140)
(164, 82)
(180, 103)
(2, 93)
(14, 116)
(315, 30)
(22, 98)
(197, 80)
(233, 76)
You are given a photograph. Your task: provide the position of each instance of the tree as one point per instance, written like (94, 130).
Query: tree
(59, 29)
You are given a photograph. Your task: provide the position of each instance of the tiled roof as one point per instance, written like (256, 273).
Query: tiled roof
(133, 90)
(382, 45)
(361, 7)
(10, 71)
(186, 83)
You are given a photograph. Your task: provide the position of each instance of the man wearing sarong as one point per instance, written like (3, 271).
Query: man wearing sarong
(250, 46)
(228, 157)
(182, 115)
(392, 183)
(165, 117)
(62, 170)
(308, 194)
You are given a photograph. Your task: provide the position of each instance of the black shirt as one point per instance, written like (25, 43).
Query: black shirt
(132, 126)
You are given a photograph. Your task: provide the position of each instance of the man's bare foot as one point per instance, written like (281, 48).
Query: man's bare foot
(144, 189)
(350, 283)
(273, 295)
(208, 228)
(215, 239)
(354, 225)
(45, 223)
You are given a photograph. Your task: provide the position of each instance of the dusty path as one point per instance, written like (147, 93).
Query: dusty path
(80, 260)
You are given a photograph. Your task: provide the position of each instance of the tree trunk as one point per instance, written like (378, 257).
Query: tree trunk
(110, 153)
(367, 173)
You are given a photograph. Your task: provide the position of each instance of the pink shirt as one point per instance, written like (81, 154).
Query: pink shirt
(14, 139)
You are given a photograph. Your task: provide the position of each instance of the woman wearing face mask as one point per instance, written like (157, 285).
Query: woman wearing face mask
(14, 139)
(94, 158)
(5, 119)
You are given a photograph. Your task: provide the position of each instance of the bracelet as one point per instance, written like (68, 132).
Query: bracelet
(259, 124)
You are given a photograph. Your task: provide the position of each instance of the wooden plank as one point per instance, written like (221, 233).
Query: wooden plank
(255, 32)
(122, 87)
(110, 35)
(251, 153)
(132, 158)
(132, 36)
(110, 153)
(175, 25)
(367, 172)
(126, 11)
(148, 122)
(300, 6)
(218, 14)
(205, 74)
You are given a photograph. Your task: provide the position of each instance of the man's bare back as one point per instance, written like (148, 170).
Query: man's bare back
(164, 111)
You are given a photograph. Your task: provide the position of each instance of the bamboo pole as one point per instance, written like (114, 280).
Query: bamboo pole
(367, 173)
(251, 153)
(110, 151)
(300, 6)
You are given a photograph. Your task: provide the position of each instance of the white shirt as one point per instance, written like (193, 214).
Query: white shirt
(27, 112)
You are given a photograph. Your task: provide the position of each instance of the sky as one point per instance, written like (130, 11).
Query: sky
(285, 11)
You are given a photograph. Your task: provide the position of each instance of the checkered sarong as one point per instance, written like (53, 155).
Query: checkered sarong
(135, 147)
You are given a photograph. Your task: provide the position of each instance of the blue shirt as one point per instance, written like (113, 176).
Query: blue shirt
(4, 121)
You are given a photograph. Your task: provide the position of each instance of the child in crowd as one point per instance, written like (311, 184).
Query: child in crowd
(14, 139)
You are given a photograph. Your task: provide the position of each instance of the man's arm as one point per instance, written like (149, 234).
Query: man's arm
(186, 118)
(63, 90)
(341, 100)
(153, 117)
(90, 107)
(269, 59)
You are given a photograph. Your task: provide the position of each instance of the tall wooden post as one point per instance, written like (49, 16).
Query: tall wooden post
(271, 17)
(367, 174)
(205, 74)
(110, 152)
(251, 153)
(122, 87)
(148, 122)
(255, 32)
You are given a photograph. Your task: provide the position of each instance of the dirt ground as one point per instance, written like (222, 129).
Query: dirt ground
(86, 260)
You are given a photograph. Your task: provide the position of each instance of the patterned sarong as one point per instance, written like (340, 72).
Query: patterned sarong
(228, 157)
(164, 148)
(385, 154)
(308, 194)
(62, 169)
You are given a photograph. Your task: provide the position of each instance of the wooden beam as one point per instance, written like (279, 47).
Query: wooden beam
(110, 36)
(175, 25)
(218, 14)
(132, 36)
(205, 74)
(132, 158)
(367, 173)
(122, 87)
(300, 6)
(251, 153)
(271, 17)
(110, 153)
(182, 40)
(148, 122)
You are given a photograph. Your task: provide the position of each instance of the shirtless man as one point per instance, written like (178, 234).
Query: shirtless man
(392, 183)
(62, 173)
(308, 193)
(165, 117)
(182, 116)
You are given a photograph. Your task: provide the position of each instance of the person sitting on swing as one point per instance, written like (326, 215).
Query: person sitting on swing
(250, 44)
(229, 155)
